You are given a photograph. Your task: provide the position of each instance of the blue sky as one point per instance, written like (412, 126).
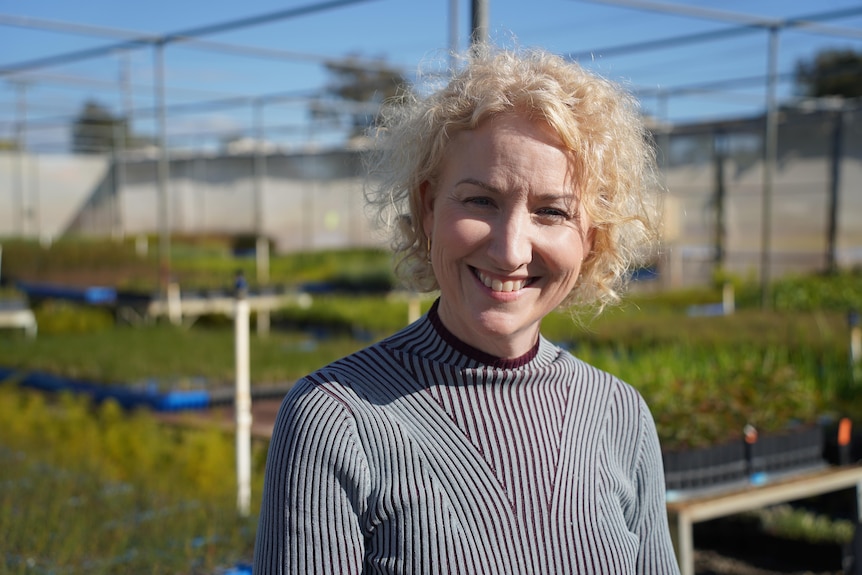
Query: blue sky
(405, 33)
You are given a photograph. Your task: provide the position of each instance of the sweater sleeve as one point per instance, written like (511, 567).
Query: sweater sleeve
(314, 489)
(656, 555)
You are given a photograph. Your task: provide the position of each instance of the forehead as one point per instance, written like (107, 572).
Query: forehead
(513, 127)
(512, 152)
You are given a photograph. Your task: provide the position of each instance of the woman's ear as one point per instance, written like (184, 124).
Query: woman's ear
(426, 202)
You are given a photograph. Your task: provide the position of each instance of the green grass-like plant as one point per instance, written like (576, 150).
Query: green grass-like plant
(96, 490)
(704, 377)
(701, 395)
(195, 263)
(125, 355)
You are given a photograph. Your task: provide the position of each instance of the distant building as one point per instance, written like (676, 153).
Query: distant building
(308, 200)
(714, 207)
(713, 211)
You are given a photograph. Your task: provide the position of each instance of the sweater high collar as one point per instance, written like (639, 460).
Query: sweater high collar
(477, 354)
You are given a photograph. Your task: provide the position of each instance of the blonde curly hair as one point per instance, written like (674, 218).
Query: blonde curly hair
(596, 120)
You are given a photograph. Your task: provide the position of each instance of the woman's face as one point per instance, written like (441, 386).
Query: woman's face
(508, 234)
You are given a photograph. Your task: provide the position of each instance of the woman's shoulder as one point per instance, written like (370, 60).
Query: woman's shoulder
(597, 381)
(352, 381)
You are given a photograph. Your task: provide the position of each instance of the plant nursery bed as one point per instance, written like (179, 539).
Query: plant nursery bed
(149, 396)
(159, 395)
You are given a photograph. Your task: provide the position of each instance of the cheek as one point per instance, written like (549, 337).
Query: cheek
(463, 233)
(566, 252)
(471, 230)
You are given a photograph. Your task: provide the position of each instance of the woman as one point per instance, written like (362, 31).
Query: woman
(467, 443)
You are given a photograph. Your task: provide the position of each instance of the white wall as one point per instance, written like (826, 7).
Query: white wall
(52, 188)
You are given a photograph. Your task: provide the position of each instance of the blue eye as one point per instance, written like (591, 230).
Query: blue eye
(553, 213)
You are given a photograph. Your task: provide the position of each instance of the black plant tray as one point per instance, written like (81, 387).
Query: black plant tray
(737, 461)
(792, 449)
(704, 466)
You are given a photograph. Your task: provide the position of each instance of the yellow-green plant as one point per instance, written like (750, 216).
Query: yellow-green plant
(87, 489)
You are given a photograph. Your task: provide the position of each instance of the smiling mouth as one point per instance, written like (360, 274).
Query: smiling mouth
(502, 286)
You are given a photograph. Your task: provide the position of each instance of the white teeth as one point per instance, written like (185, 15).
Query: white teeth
(497, 285)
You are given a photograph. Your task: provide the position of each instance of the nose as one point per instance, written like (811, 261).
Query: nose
(511, 244)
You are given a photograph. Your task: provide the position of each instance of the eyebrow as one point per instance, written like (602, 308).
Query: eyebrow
(479, 183)
(545, 197)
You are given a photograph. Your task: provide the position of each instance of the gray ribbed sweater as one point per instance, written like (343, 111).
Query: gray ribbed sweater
(422, 455)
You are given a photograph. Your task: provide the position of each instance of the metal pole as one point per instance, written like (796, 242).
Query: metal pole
(242, 402)
(162, 166)
(719, 143)
(672, 262)
(19, 215)
(119, 229)
(834, 191)
(35, 209)
(453, 33)
(479, 31)
(115, 178)
(261, 248)
(262, 245)
(769, 161)
(199, 176)
(312, 189)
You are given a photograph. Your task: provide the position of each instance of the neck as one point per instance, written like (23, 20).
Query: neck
(474, 353)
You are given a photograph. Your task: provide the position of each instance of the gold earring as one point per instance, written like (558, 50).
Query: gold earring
(428, 249)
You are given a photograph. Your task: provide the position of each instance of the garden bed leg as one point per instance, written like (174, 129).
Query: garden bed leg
(683, 541)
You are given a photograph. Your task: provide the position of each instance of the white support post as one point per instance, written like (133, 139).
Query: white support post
(174, 304)
(728, 299)
(242, 404)
(685, 544)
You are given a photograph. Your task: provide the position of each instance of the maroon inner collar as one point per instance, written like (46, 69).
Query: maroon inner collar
(477, 354)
